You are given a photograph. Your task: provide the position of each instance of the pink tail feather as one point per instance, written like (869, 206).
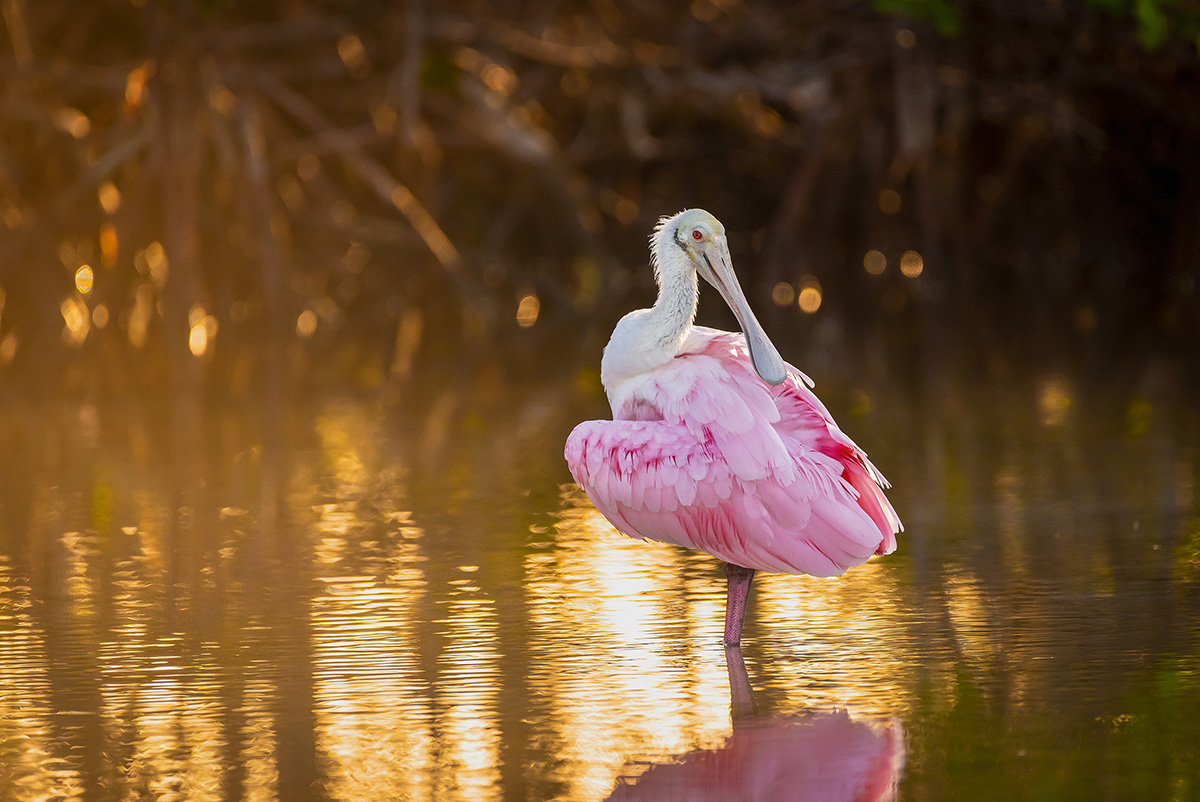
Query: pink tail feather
(875, 504)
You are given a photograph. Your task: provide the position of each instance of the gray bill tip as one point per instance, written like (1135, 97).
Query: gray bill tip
(766, 360)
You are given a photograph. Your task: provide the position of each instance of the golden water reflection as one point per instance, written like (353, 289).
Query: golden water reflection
(31, 770)
(407, 668)
(380, 647)
(821, 757)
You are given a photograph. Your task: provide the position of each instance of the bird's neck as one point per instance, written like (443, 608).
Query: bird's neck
(648, 339)
(675, 309)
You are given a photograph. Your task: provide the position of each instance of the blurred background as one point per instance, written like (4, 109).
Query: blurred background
(299, 300)
(226, 200)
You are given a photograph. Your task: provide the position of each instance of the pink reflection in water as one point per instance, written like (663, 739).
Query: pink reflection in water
(814, 757)
(822, 756)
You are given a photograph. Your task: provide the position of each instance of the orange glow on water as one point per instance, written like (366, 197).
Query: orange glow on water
(110, 197)
(83, 279)
(374, 710)
(152, 261)
(198, 339)
(842, 621)
(77, 319)
(203, 327)
(410, 650)
(631, 597)
(25, 707)
(108, 245)
(140, 315)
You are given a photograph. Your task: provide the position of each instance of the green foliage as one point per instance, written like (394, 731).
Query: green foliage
(940, 12)
(1152, 21)
(1157, 21)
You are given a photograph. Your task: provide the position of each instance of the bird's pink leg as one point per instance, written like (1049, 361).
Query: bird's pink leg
(735, 602)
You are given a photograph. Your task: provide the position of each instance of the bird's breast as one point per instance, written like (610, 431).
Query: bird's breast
(637, 408)
(636, 398)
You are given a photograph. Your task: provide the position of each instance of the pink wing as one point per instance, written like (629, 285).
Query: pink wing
(755, 475)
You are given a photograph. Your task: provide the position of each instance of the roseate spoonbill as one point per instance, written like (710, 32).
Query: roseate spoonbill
(716, 443)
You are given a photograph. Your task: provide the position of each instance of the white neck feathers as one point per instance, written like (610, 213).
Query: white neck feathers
(650, 338)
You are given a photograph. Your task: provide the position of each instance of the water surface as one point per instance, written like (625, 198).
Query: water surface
(424, 607)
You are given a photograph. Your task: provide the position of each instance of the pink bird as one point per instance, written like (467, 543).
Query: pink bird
(716, 443)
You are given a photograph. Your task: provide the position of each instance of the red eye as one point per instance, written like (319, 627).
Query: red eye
(697, 234)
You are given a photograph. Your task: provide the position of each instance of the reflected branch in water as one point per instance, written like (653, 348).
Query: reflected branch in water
(824, 756)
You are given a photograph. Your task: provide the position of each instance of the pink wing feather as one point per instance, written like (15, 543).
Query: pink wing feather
(755, 475)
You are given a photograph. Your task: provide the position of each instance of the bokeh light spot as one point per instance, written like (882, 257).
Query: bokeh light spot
(222, 99)
(527, 310)
(73, 121)
(810, 296)
(625, 210)
(153, 261)
(911, 264)
(8, 349)
(198, 340)
(135, 86)
(890, 201)
(78, 321)
(1054, 402)
(783, 294)
(874, 262)
(352, 53)
(499, 80)
(306, 324)
(139, 317)
(108, 245)
(110, 197)
(203, 329)
(84, 279)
